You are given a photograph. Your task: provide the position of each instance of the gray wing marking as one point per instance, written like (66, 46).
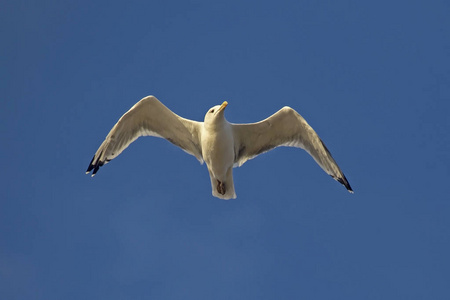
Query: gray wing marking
(148, 117)
(284, 128)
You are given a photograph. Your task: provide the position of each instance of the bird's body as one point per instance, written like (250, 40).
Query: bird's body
(218, 143)
(218, 152)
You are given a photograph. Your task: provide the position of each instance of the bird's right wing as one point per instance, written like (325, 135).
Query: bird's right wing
(148, 117)
(286, 127)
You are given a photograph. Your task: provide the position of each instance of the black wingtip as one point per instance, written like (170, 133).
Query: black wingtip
(349, 188)
(94, 165)
(344, 182)
(91, 166)
(96, 169)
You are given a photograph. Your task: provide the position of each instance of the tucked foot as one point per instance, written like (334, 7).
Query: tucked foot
(221, 187)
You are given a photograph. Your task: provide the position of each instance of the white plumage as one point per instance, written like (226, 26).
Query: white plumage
(222, 145)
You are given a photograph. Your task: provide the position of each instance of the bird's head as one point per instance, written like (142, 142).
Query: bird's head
(216, 114)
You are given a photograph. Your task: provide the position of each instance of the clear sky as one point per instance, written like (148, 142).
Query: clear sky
(371, 77)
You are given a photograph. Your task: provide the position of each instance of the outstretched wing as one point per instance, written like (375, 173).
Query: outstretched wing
(284, 128)
(148, 117)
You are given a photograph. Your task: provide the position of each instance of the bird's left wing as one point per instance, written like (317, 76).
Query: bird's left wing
(284, 128)
(148, 117)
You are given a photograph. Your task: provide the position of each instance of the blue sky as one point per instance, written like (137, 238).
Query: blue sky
(372, 78)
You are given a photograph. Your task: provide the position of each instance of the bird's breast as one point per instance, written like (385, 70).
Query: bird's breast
(218, 149)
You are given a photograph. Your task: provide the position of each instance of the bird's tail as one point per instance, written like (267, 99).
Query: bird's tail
(223, 188)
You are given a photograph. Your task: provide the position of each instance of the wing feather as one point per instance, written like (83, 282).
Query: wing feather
(148, 117)
(284, 128)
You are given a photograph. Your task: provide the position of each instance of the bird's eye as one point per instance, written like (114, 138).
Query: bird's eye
(212, 111)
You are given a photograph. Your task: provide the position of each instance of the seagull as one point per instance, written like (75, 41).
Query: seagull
(215, 141)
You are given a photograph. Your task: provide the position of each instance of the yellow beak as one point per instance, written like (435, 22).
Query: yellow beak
(224, 104)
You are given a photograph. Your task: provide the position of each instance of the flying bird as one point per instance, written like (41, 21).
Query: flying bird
(215, 141)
